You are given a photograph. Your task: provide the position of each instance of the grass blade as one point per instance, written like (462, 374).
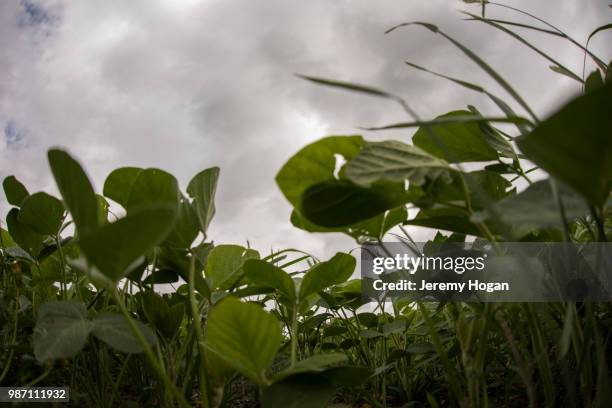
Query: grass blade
(362, 89)
(501, 104)
(454, 119)
(476, 59)
(597, 60)
(528, 44)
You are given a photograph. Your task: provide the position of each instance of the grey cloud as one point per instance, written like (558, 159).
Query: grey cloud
(185, 85)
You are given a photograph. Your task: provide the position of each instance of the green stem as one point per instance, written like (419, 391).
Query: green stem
(149, 353)
(63, 265)
(9, 359)
(294, 335)
(197, 326)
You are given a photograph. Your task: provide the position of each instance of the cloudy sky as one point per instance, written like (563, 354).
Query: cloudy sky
(183, 85)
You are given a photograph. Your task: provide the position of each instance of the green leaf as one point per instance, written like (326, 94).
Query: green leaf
(102, 210)
(593, 81)
(394, 161)
(167, 320)
(186, 228)
(455, 142)
(161, 276)
(28, 239)
(217, 369)
(76, 190)
(325, 274)
(304, 390)
(341, 203)
(14, 190)
(61, 330)
(50, 267)
(445, 218)
(5, 239)
(245, 336)
(372, 228)
(43, 213)
(314, 164)
(535, 208)
(315, 363)
(224, 265)
(265, 274)
(420, 348)
(202, 188)
(347, 376)
(116, 248)
(112, 329)
(153, 187)
(574, 145)
(494, 138)
(491, 186)
(119, 183)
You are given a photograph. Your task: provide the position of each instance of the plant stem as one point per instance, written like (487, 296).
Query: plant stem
(149, 353)
(294, 334)
(197, 326)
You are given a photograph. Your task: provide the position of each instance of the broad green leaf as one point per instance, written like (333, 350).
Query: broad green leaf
(593, 81)
(574, 145)
(116, 248)
(43, 213)
(28, 239)
(76, 190)
(102, 210)
(455, 142)
(18, 253)
(186, 227)
(263, 273)
(395, 161)
(61, 330)
(5, 239)
(420, 348)
(325, 274)
(112, 329)
(118, 184)
(153, 187)
(218, 370)
(341, 203)
(304, 390)
(224, 265)
(372, 228)
(535, 208)
(314, 164)
(161, 315)
(202, 188)
(245, 336)
(315, 363)
(14, 190)
(347, 376)
(491, 187)
(50, 268)
(445, 218)
(494, 138)
(161, 276)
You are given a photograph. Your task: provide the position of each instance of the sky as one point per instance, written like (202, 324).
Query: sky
(183, 85)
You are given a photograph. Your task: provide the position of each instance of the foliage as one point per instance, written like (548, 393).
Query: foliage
(79, 305)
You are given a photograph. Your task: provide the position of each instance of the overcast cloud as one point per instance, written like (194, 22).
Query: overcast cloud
(183, 85)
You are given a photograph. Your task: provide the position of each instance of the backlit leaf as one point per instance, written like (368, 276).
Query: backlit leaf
(244, 336)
